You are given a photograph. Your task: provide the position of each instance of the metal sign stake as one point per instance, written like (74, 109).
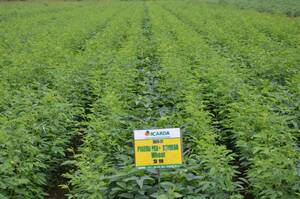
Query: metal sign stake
(158, 175)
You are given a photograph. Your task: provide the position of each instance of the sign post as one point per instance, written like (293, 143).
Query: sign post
(158, 148)
(158, 177)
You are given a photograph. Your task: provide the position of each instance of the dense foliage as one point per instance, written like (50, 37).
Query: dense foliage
(290, 8)
(78, 77)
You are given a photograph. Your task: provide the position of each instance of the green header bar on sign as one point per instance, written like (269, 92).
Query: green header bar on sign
(168, 166)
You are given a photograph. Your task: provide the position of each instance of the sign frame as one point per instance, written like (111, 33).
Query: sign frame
(159, 165)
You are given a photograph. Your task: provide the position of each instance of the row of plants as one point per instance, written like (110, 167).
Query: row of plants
(208, 171)
(38, 108)
(130, 101)
(106, 153)
(258, 132)
(145, 96)
(233, 35)
(290, 8)
(27, 35)
(9, 11)
(279, 28)
(265, 63)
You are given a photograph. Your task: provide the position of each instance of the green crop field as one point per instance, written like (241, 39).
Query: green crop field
(77, 77)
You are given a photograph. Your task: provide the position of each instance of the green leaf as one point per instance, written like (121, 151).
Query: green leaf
(126, 195)
(162, 196)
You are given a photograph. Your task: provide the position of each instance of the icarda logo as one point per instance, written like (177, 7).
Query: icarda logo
(157, 133)
(147, 133)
